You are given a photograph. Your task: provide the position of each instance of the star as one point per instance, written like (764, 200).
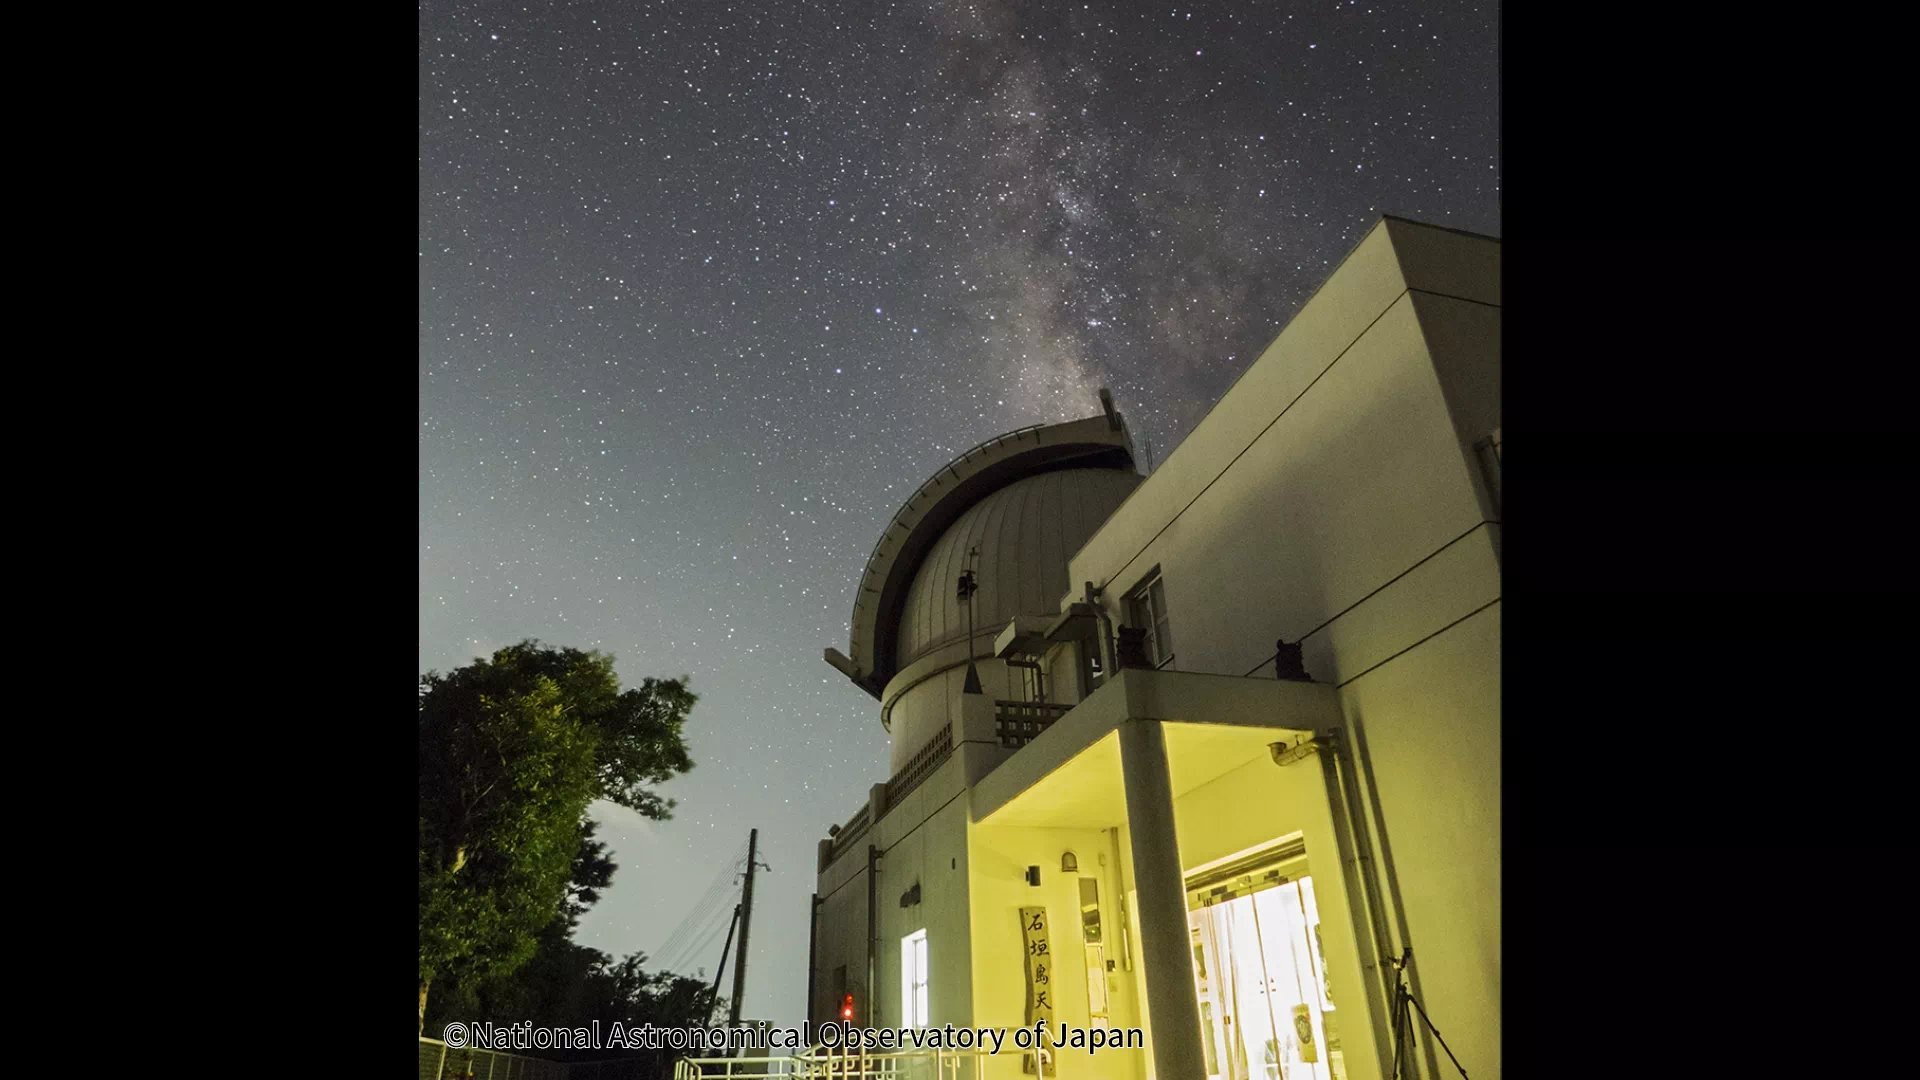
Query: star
(636, 431)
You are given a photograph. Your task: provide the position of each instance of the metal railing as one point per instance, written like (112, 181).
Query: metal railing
(615, 1069)
(1017, 723)
(438, 1061)
(838, 1064)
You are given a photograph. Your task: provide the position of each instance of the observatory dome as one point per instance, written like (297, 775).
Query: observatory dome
(1027, 499)
(1024, 533)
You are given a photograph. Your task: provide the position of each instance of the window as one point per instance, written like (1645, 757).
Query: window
(1489, 451)
(913, 979)
(1147, 609)
(1096, 952)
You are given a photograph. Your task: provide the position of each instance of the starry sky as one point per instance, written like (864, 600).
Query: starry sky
(707, 288)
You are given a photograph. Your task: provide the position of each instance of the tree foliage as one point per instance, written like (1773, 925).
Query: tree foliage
(567, 985)
(512, 751)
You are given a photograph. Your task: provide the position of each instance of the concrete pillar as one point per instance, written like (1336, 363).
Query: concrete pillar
(975, 737)
(1173, 1003)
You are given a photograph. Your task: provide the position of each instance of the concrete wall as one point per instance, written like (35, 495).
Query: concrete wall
(839, 931)
(916, 714)
(1360, 480)
(1333, 494)
(923, 840)
(1428, 727)
(933, 855)
(1001, 856)
(1463, 343)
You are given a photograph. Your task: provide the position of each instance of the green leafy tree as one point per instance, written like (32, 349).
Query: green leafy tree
(512, 751)
(592, 872)
(568, 985)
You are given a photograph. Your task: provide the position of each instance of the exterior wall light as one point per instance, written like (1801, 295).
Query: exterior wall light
(1033, 875)
(1069, 864)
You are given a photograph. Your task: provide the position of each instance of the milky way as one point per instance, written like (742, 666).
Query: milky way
(707, 289)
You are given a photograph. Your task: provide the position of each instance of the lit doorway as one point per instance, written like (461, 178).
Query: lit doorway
(1266, 1011)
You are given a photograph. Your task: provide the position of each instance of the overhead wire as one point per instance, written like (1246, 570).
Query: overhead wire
(697, 938)
(713, 907)
(720, 884)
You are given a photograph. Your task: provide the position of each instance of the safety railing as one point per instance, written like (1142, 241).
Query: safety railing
(1017, 723)
(822, 1063)
(726, 1068)
(615, 1069)
(438, 1061)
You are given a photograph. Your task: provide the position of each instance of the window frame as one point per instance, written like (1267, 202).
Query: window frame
(1487, 450)
(1146, 608)
(915, 979)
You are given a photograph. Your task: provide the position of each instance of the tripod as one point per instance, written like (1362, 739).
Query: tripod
(1404, 1006)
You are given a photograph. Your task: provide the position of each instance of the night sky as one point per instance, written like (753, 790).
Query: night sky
(707, 289)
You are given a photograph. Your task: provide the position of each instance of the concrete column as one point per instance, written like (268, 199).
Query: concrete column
(1173, 1003)
(975, 737)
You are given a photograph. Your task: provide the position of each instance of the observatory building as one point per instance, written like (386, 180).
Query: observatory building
(1201, 752)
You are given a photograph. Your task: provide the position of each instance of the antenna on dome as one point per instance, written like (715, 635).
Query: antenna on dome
(970, 584)
(1106, 406)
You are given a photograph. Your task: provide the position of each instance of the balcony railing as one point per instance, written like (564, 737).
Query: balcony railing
(920, 766)
(1017, 723)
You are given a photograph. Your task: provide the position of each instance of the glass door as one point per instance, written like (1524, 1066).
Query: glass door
(1216, 1040)
(1308, 1033)
(1265, 1006)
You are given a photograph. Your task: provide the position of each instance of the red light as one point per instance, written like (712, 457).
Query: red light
(846, 1008)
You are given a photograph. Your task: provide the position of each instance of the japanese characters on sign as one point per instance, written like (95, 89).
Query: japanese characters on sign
(1040, 990)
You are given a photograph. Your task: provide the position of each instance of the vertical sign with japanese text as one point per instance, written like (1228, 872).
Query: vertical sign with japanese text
(1040, 995)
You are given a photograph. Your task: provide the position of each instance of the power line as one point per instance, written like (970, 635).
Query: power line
(717, 887)
(701, 915)
(696, 919)
(696, 937)
(699, 949)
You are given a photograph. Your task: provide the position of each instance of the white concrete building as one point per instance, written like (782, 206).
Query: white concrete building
(1222, 856)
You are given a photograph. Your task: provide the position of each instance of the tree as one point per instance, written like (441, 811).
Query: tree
(568, 985)
(512, 751)
(592, 872)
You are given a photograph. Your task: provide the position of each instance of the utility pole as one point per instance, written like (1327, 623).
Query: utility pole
(746, 925)
(714, 994)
